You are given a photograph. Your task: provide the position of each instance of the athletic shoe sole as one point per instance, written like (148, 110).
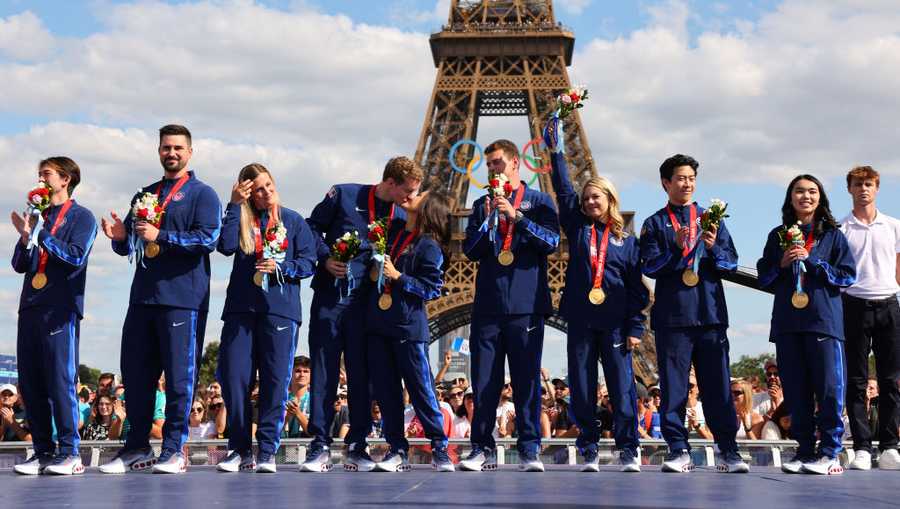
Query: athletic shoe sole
(683, 470)
(78, 469)
(320, 469)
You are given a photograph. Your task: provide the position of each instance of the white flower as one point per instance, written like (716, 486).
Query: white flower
(36, 199)
(566, 99)
(346, 236)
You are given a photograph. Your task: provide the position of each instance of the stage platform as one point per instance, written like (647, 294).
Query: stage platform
(562, 486)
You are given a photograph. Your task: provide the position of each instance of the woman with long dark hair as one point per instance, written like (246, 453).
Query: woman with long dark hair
(603, 304)
(397, 327)
(806, 262)
(273, 250)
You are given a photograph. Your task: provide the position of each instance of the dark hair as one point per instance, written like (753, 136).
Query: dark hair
(667, 168)
(175, 130)
(302, 360)
(434, 216)
(65, 167)
(822, 219)
(509, 148)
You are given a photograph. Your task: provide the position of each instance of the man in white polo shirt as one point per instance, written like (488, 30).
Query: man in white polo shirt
(872, 320)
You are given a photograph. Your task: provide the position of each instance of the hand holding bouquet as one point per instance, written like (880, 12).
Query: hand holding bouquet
(37, 202)
(346, 247)
(713, 215)
(147, 208)
(790, 236)
(571, 100)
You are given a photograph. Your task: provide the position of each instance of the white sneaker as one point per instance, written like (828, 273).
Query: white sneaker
(823, 466)
(795, 465)
(628, 462)
(530, 462)
(889, 460)
(265, 463)
(358, 460)
(732, 463)
(479, 459)
(862, 460)
(170, 462)
(679, 462)
(393, 461)
(318, 459)
(591, 461)
(235, 462)
(125, 460)
(34, 465)
(65, 465)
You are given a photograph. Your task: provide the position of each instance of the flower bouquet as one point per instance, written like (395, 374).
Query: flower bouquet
(37, 202)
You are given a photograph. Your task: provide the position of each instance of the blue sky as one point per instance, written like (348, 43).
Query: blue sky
(326, 91)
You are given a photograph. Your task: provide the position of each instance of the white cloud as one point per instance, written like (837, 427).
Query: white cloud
(23, 37)
(573, 6)
(809, 86)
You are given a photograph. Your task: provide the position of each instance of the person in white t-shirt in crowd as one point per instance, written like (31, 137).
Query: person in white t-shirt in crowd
(767, 402)
(694, 420)
(506, 413)
(461, 425)
(872, 320)
(199, 427)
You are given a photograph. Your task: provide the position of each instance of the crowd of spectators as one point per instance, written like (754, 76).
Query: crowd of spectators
(759, 404)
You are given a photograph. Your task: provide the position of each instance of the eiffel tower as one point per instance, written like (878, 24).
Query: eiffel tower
(499, 58)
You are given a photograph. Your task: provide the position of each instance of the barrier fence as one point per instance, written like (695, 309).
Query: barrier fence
(554, 451)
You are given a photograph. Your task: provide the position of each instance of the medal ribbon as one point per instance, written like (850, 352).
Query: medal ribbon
(45, 256)
(799, 266)
(257, 238)
(372, 208)
(182, 181)
(692, 236)
(394, 252)
(598, 260)
(511, 226)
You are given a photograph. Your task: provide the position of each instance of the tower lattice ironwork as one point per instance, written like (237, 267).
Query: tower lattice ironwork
(498, 58)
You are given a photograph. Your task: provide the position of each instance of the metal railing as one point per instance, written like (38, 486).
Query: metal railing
(554, 451)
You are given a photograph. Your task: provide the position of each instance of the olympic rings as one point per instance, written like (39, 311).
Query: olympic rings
(452, 154)
(528, 160)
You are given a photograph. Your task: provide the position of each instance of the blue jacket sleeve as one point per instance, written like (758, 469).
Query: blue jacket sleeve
(768, 268)
(425, 280)
(658, 254)
(724, 255)
(478, 243)
(302, 263)
(205, 229)
(123, 248)
(543, 233)
(565, 194)
(840, 269)
(230, 238)
(638, 294)
(74, 252)
(23, 260)
(320, 220)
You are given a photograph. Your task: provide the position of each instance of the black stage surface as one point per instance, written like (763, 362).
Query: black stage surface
(560, 486)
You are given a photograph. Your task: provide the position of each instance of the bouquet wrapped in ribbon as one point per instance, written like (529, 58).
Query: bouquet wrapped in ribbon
(145, 208)
(344, 249)
(37, 203)
(274, 246)
(788, 237)
(378, 240)
(498, 185)
(571, 100)
(709, 221)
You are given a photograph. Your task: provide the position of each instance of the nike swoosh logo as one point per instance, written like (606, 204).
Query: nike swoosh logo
(668, 225)
(177, 324)
(822, 339)
(529, 329)
(56, 332)
(360, 210)
(279, 329)
(617, 345)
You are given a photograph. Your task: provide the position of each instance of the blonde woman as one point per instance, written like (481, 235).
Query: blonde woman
(603, 304)
(750, 423)
(273, 250)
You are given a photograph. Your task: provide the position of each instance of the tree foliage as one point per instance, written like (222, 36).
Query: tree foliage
(88, 375)
(208, 363)
(748, 366)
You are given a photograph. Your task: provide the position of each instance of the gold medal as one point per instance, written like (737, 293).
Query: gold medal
(506, 258)
(690, 278)
(151, 250)
(385, 301)
(800, 300)
(258, 279)
(373, 274)
(597, 296)
(39, 281)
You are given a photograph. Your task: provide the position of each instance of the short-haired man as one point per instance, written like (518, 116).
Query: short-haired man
(512, 297)
(689, 316)
(105, 384)
(297, 406)
(50, 311)
(335, 327)
(872, 320)
(163, 330)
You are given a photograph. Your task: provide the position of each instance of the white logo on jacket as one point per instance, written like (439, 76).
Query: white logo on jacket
(178, 196)
(525, 205)
(616, 241)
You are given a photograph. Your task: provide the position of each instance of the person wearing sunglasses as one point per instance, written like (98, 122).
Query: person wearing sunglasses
(750, 423)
